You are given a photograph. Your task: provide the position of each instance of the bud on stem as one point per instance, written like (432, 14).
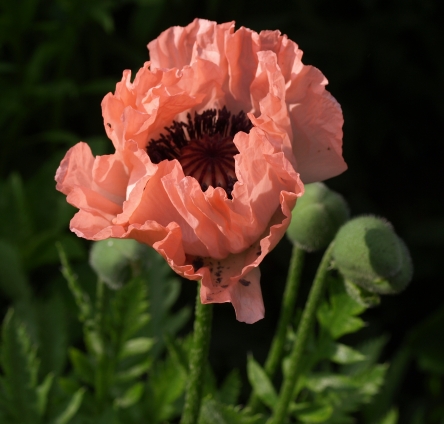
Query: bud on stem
(369, 254)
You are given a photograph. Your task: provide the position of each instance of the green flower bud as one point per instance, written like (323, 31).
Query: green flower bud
(318, 215)
(368, 253)
(113, 259)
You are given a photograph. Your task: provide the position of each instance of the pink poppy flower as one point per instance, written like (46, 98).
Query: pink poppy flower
(212, 139)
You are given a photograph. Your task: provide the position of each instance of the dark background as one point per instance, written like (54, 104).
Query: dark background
(384, 61)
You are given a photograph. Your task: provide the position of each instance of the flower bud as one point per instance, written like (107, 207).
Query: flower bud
(317, 217)
(368, 253)
(112, 260)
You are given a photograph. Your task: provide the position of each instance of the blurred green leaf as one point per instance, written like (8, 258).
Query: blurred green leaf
(136, 346)
(131, 396)
(82, 299)
(311, 413)
(427, 343)
(52, 333)
(128, 311)
(24, 222)
(261, 383)
(134, 372)
(163, 290)
(20, 366)
(13, 279)
(213, 412)
(230, 389)
(371, 349)
(344, 354)
(166, 385)
(82, 366)
(391, 417)
(43, 392)
(71, 408)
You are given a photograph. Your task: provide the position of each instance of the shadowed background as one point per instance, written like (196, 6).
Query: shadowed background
(384, 62)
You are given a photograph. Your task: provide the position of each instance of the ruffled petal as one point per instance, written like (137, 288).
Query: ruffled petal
(179, 46)
(317, 121)
(75, 168)
(245, 296)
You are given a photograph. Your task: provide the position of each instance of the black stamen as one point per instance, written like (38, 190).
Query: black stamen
(204, 146)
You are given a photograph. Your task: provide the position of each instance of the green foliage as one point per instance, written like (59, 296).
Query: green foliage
(214, 412)
(230, 388)
(261, 383)
(338, 315)
(23, 400)
(337, 380)
(115, 368)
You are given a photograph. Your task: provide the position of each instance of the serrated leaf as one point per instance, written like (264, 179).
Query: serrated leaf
(338, 315)
(82, 366)
(346, 394)
(371, 380)
(371, 349)
(42, 393)
(230, 388)
(391, 417)
(343, 354)
(131, 396)
(384, 400)
(129, 311)
(20, 367)
(311, 413)
(82, 299)
(166, 384)
(318, 382)
(93, 339)
(213, 412)
(71, 408)
(179, 350)
(261, 383)
(134, 372)
(136, 346)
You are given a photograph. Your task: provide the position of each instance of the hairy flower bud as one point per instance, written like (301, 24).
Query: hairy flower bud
(111, 259)
(318, 215)
(368, 253)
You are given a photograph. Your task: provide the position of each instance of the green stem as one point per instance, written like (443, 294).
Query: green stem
(304, 328)
(287, 310)
(197, 361)
(101, 383)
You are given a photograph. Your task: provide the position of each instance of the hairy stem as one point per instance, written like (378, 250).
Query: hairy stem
(197, 362)
(287, 311)
(303, 331)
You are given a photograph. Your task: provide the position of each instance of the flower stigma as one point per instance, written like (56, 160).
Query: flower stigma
(203, 146)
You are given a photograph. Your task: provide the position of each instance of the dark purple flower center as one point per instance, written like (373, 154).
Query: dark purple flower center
(203, 146)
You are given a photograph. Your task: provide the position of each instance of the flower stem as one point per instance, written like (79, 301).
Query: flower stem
(197, 362)
(287, 310)
(302, 334)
